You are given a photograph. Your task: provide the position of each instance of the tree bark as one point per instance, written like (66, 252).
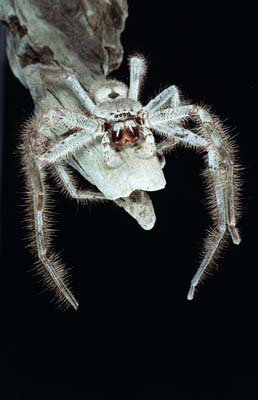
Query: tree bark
(80, 35)
(46, 38)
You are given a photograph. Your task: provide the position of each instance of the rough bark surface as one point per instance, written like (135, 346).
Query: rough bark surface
(48, 38)
(80, 35)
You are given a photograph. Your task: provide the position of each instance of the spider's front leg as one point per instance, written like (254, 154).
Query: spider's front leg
(74, 131)
(111, 157)
(220, 167)
(148, 147)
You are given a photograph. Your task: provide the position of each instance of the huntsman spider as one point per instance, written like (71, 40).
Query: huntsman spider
(118, 145)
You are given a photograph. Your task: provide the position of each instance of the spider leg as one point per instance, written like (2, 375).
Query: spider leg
(73, 131)
(220, 180)
(171, 93)
(148, 148)
(59, 120)
(35, 158)
(137, 73)
(181, 135)
(79, 92)
(73, 84)
(211, 130)
(111, 157)
(218, 233)
(53, 270)
(138, 204)
(70, 187)
(60, 151)
(171, 115)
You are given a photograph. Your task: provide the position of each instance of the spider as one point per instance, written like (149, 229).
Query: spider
(117, 145)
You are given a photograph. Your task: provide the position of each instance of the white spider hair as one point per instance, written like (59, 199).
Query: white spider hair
(108, 90)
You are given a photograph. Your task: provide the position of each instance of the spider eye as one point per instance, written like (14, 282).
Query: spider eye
(108, 91)
(113, 95)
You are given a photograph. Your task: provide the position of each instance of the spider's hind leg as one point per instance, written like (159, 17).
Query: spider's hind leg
(51, 269)
(224, 184)
(225, 168)
(214, 240)
(68, 184)
(220, 173)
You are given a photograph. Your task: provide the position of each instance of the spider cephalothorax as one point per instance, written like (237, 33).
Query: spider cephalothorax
(112, 144)
(122, 122)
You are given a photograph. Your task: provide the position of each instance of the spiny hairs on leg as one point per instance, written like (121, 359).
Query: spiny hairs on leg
(223, 196)
(48, 264)
(222, 172)
(227, 153)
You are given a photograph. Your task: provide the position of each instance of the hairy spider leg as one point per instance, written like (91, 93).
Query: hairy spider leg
(137, 72)
(61, 150)
(138, 201)
(36, 161)
(148, 148)
(79, 92)
(54, 269)
(72, 83)
(67, 181)
(213, 133)
(188, 138)
(111, 157)
(179, 134)
(171, 93)
(85, 131)
(220, 166)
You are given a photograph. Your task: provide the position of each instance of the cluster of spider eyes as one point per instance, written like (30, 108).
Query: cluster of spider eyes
(124, 114)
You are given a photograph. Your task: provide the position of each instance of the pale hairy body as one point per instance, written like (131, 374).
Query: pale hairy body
(112, 143)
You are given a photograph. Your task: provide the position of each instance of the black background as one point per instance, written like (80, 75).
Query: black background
(135, 335)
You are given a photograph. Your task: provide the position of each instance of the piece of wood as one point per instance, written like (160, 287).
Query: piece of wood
(80, 35)
(49, 38)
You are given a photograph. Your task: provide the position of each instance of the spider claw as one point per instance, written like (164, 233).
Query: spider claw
(194, 283)
(234, 234)
(190, 294)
